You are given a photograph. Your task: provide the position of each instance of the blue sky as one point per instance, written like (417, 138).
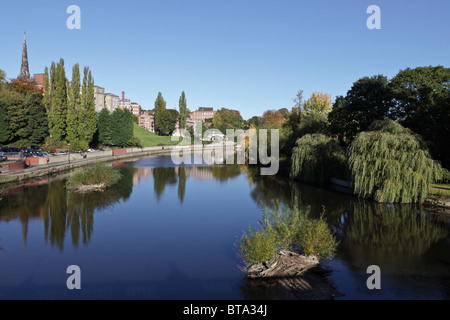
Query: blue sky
(250, 55)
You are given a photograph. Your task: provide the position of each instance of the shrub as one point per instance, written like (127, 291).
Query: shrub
(78, 145)
(316, 238)
(258, 246)
(52, 144)
(289, 229)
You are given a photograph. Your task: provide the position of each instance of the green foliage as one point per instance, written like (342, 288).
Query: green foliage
(391, 164)
(18, 114)
(94, 175)
(51, 144)
(182, 104)
(121, 127)
(316, 238)
(167, 121)
(257, 246)
(2, 76)
(290, 229)
(422, 103)
(135, 142)
(160, 106)
(317, 158)
(58, 111)
(104, 127)
(74, 106)
(78, 145)
(226, 119)
(368, 100)
(37, 118)
(5, 131)
(88, 116)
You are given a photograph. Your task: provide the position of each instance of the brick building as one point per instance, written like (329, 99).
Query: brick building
(147, 121)
(133, 107)
(202, 113)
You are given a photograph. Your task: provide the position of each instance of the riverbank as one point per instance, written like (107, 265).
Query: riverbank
(76, 161)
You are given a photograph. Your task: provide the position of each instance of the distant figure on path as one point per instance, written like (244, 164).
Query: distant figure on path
(47, 160)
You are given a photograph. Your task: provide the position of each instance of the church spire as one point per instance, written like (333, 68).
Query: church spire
(24, 70)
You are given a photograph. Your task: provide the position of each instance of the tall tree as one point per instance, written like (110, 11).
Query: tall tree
(5, 131)
(37, 118)
(46, 100)
(160, 106)
(183, 110)
(74, 105)
(17, 114)
(421, 98)
(58, 114)
(88, 116)
(368, 100)
(167, 121)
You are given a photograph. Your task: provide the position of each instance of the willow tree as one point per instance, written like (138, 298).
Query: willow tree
(391, 164)
(317, 158)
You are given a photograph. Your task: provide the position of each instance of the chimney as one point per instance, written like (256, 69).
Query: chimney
(123, 95)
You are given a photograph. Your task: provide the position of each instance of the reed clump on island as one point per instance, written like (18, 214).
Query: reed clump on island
(289, 242)
(92, 178)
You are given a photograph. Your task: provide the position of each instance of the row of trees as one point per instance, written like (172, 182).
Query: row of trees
(64, 113)
(382, 136)
(70, 104)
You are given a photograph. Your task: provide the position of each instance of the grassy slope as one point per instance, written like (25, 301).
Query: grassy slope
(149, 139)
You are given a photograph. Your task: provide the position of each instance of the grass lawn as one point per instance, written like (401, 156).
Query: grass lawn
(150, 139)
(441, 191)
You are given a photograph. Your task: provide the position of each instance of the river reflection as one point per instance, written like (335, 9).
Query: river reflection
(407, 242)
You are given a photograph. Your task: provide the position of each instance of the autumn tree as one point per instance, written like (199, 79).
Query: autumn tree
(318, 105)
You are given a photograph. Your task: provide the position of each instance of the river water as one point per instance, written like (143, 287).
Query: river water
(169, 232)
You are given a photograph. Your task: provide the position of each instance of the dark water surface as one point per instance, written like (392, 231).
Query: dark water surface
(167, 232)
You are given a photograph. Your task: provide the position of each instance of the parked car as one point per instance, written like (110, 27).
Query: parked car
(11, 149)
(36, 148)
(3, 158)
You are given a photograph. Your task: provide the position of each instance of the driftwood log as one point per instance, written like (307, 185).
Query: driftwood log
(300, 277)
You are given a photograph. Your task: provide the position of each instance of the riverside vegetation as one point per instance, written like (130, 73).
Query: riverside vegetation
(287, 230)
(96, 177)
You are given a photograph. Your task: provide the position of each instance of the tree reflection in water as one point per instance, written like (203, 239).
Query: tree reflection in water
(63, 210)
